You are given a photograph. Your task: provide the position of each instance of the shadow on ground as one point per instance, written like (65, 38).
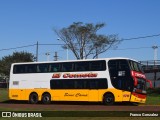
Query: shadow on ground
(70, 103)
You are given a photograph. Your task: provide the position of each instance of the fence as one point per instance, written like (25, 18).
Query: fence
(151, 66)
(152, 71)
(3, 85)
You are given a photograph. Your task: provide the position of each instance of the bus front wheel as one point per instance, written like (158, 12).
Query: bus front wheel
(46, 98)
(33, 98)
(108, 99)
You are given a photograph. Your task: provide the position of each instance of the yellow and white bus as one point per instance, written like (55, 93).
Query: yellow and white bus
(106, 80)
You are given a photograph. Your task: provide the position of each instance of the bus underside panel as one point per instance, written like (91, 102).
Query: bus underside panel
(76, 95)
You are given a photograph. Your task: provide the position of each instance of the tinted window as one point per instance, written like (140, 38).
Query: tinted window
(67, 67)
(81, 66)
(42, 68)
(99, 65)
(19, 69)
(135, 66)
(79, 83)
(141, 84)
(120, 74)
(118, 65)
(30, 68)
(54, 67)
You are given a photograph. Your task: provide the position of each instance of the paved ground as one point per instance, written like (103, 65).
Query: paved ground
(70, 106)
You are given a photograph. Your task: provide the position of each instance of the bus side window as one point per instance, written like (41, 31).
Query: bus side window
(19, 69)
(80, 84)
(42, 68)
(112, 69)
(93, 84)
(97, 65)
(123, 65)
(55, 67)
(67, 67)
(31, 68)
(81, 66)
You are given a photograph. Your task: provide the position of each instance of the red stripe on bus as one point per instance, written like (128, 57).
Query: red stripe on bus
(139, 95)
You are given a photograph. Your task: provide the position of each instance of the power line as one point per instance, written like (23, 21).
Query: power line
(17, 47)
(123, 39)
(141, 37)
(51, 44)
(132, 48)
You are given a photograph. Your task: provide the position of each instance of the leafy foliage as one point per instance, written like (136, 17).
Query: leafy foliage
(84, 41)
(6, 61)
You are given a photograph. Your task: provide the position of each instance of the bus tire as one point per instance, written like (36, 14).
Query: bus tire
(33, 98)
(108, 99)
(46, 98)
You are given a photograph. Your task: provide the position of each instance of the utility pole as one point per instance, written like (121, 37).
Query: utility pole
(155, 63)
(55, 57)
(37, 52)
(47, 54)
(155, 47)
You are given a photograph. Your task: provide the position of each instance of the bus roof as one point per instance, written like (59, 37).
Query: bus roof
(113, 58)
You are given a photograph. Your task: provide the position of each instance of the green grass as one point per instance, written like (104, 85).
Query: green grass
(153, 100)
(153, 96)
(3, 94)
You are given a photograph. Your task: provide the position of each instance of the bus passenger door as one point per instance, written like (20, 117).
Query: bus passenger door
(124, 84)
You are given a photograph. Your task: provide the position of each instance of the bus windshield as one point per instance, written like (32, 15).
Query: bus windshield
(135, 66)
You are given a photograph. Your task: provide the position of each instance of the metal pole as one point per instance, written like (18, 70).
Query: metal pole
(155, 64)
(155, 52)
(47, 54)
(155, 77)
(55, 56)
(37, 52)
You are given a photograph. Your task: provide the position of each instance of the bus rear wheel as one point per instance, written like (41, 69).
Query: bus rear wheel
(33, 98)
(46, 98)
(108, 99)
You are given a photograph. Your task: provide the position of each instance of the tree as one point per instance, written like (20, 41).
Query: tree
(83, 40)
(6, 61)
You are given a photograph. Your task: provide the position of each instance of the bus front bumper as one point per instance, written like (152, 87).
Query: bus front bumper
(138, 98)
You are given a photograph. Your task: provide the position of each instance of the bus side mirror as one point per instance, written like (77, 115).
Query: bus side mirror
(150, 83)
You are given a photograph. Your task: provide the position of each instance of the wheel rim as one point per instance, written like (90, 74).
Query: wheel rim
(46, 99)
(108, 99)
(34, 98)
